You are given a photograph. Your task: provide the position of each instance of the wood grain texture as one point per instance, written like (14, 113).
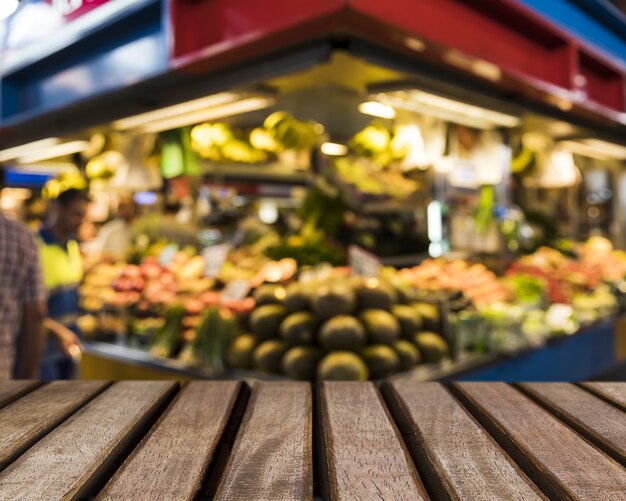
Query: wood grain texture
(597, 421)
(272, 455)
(615, 393)
(557, 459)
(25, 421)
(365, 457)
(456, 457)
(66, 462)
(171, 461)
(12, 390)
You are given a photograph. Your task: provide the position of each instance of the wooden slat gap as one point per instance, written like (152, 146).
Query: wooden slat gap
(24, 447)
(601, 396)
(437, 486)
(10, 396)
(224, 447)
(119, 454)
(573, 423)
(328, 482)
(539, 477)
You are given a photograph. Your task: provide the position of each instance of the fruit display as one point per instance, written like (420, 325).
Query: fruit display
(337, 327)
(220, 142)
(476, 281)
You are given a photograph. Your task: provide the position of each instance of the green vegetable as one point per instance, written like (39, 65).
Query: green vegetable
(213, 336)
(168, 338)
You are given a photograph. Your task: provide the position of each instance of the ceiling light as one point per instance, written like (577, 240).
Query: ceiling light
(225, 110)
(59, 150)
(377, 109)
(421, 102)
(595, 148)
(12, 153)
(192, 112)
(334, 149)
(175, 110)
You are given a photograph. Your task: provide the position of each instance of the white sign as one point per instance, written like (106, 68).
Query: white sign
(214, 258)
(237, 289)
(167, 254)
(363, 263)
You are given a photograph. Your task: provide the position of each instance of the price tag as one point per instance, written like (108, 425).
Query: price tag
(214, 258)
(237, 289)
(167, 254)
(363, 263)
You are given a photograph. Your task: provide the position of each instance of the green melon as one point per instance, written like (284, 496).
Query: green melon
(408, 353)
(332, 300)
(430, 315)
(342, 333)
(409, 320)
(381, 326)
(374, 293)
(301, 362)
(432, 346)
(239, 353)
(265, 320)
(382, 361)
(342, 366)
(298, 328)
(268, 355)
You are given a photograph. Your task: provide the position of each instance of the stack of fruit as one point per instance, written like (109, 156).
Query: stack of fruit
(344, 328)
(476, 282)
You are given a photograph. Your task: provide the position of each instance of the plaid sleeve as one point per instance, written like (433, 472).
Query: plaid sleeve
(33, 289)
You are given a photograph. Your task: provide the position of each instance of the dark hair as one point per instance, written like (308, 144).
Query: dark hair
(72, 195)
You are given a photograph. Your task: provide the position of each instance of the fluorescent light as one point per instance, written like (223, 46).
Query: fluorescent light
(377, 109)
(12, 153)
(595, 148)
(8, 7)
(226, 110)
(59, 150)
(334, 149)
(206, 108)
(177, 109)
(421, 102)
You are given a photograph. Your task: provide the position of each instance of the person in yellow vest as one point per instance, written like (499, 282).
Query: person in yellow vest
(62, 267)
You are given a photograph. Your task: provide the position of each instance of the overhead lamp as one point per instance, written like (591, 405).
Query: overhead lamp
(24, 149)
(595, 148)
(376, 109)
(219, 105)
(56, 151)
(334, 149)
(418, 101)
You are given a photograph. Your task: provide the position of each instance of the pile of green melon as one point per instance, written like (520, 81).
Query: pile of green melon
(348, 328)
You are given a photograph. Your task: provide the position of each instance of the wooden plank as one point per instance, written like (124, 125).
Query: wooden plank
(172, 460)
(12, 390)
(69, 462)
(365, 457)
(457, 458)
(599, 422)
(559, 461)
(614, 393)
(25, 421)
(272, 455)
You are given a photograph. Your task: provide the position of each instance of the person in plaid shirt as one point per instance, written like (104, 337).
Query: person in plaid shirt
(22, 302)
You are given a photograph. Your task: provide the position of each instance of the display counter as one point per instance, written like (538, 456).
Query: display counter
(595, 349)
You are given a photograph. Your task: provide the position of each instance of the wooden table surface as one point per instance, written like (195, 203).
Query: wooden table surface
(278, 441)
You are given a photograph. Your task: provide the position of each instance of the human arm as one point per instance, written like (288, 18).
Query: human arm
(68, 341)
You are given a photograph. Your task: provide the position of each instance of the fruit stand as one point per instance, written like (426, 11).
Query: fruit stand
(361, 184)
